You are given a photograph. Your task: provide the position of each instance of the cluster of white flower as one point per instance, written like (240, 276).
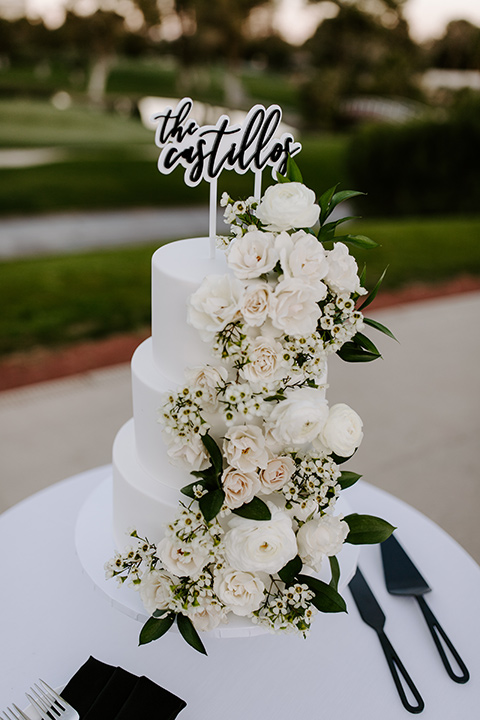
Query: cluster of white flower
(268, 472)
(288, 609)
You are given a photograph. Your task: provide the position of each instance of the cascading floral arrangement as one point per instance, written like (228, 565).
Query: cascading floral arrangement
(255, 430)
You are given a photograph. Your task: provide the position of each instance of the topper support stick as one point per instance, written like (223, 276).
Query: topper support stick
(257, 192)
(213, 216)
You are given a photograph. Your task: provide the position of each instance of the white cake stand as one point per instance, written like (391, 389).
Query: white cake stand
(94, 545)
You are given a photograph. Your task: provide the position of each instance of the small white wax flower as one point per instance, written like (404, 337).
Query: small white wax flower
(288, 205)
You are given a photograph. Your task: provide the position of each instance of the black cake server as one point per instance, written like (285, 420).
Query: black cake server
(372, 614)
(403, 578)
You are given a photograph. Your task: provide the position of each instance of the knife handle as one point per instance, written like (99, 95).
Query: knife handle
(398, 669)
(439, 634)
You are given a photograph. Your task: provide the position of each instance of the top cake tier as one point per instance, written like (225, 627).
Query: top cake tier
(177, 271)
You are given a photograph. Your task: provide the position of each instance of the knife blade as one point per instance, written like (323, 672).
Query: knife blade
(403, 578)
(373, 615)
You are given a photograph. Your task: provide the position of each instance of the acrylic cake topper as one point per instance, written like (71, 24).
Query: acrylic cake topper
(204, 151)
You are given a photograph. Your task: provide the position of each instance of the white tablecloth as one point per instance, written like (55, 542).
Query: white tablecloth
(52, 618)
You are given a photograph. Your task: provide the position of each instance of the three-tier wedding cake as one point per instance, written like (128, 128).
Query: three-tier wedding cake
(226, 480)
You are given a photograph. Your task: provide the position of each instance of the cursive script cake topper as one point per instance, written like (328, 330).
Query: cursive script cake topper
(205, 151)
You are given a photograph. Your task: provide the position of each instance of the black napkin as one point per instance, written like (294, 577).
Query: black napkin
(102, 692)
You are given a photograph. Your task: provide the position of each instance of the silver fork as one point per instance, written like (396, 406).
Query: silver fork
(16, 714)
(49, 704)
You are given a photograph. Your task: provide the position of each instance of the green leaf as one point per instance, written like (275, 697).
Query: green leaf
(327, 231)
(347, 479)
(350, 352)
(373, 294)
(367, 529)
(214, 452)
(290, 571)
(344, 195)
(360, 241)
(282, 178)
(325, 201)
(188, 489)
(277, 397)
(363, 275)
(365, 342)
(378, 326)
(189, 633)
(154, 628)
(211, 503)
(256, 509)
(335, 568)
(293, 171)
(339, 460)
(326, 599)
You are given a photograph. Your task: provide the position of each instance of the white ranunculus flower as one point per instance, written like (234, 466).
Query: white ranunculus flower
(277, 473)
(216, 303)
(261, 545)
(244, 448)
(241, 592)
(264, 361)
(255, 305)
(294, 307)
(207, 378)
(206, 616)
(182, 559)
(303, 256)
(288, 205)
(320, 537)
(188, 452)
(342, 432)
(342, 275)
(155, 590)
(252, 254)
(300, 418)
(240, 487)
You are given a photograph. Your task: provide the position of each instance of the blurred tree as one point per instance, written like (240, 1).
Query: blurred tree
(365, 49)
(458, 49)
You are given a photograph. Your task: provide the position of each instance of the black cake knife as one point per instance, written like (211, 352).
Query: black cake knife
(372, 614)
(403, 578)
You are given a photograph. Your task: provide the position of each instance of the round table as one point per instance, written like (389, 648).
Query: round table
(53, 617)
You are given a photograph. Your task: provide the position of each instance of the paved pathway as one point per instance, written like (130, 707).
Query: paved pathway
(67, 232)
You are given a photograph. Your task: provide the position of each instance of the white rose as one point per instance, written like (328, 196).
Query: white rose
(241, 592)
(216, 303)
(300, 418)
(294, 308)
(342, 275)
(188, 452)
(155, 590)
(206, 616)
(252, 254)
(181, 559)
(320, 537)
(342, 433)
(303, 256)
(261, 545)
(264, 361)
(288, 205)
(207, 378)
(244, 448)
(277, 473)
(255, 305)
(240, 487)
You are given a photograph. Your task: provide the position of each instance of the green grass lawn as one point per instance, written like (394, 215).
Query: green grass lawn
(60, 300)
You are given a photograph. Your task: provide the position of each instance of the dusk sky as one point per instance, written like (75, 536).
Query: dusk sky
(427, 18)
